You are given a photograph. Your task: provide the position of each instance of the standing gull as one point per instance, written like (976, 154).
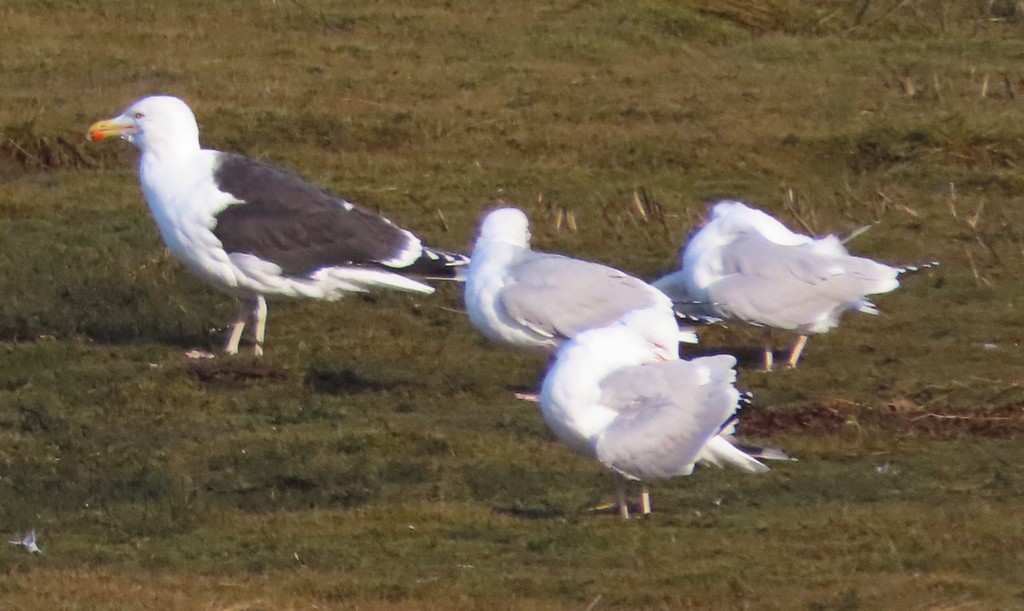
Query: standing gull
(745, 265)
(622, 395)
(255, 230)
(538, 300)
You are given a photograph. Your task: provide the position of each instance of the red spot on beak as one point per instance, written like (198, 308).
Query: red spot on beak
(96, 136)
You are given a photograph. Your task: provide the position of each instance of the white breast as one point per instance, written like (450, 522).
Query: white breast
(488, 272)
(183, 198)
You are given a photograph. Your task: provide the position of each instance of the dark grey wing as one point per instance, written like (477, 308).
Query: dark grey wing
(560, 296)
(291, 222)
(789, 286)
(667, 413)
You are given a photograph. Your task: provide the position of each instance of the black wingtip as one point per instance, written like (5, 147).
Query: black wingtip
(700, 319)
(695, 312)
(746, 400)
(436, 264)
(452, 259)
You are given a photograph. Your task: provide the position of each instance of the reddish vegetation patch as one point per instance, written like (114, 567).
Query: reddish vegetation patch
(812, 420)
(901, 418)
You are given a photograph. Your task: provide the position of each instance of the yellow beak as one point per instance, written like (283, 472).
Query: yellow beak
(102, 130)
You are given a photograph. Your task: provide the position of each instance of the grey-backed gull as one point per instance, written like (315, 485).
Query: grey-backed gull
(538, 300)
(621, 395)
(745, 265)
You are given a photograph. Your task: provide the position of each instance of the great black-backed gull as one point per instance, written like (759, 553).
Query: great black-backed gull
(621, 395)
(538, 300)
(254, 230)
(745, 265)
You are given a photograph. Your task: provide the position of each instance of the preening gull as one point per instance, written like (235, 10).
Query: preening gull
(254, 230)
(538, 300)
(621, 395)
(745, 265)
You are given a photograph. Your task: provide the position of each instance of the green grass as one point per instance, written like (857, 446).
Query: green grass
(376, 458)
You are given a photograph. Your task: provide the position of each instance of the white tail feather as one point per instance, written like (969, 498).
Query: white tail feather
(720, 453)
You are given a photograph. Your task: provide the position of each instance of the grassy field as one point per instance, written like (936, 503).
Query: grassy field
(376, 458)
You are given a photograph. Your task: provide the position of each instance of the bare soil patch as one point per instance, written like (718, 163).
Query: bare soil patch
(898, 418)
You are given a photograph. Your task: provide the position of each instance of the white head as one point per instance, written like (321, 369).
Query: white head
(729, 207)
(657, 327)
(640, 336)
(508, 225)
(732, 218)
(159, 124)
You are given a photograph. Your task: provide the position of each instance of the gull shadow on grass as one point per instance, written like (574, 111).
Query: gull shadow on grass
(351, 381)
(747, 356)
(230, 370)
(530, 511)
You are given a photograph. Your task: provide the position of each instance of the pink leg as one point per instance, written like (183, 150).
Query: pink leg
(768, 357)
(259, 315)
(235, 334)
(620, 497)
(798, 348)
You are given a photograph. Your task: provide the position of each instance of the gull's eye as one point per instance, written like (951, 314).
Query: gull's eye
(138, 115)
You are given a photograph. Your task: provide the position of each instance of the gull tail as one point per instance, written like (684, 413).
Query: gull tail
(765, 453)
(725, 451)
(720, 452)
